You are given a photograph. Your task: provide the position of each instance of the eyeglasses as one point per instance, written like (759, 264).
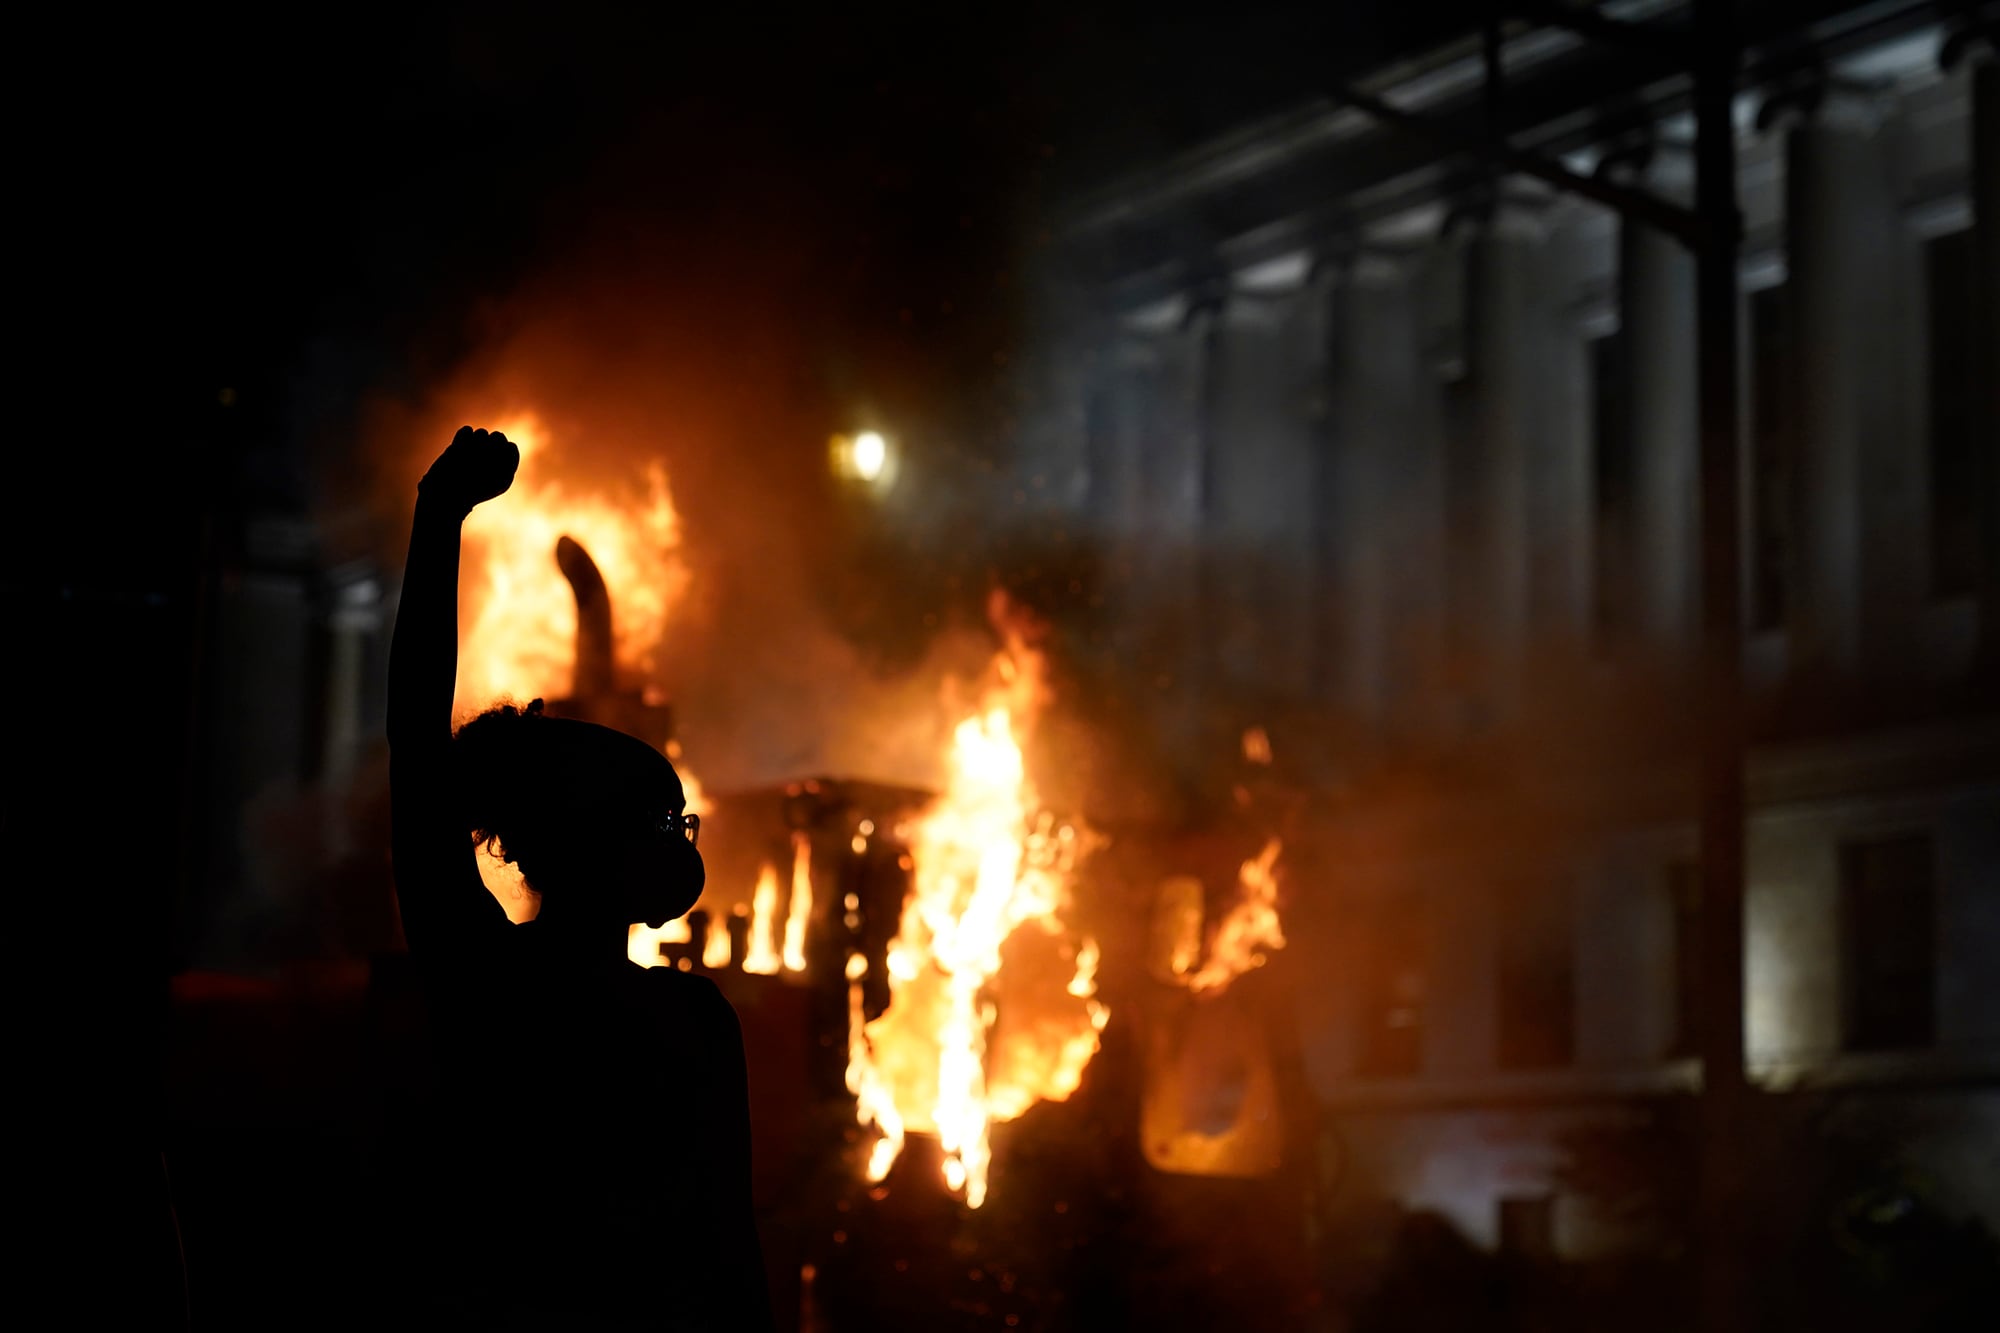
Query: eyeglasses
(684, 823)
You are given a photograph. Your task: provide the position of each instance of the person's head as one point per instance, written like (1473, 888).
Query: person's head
(589, 815)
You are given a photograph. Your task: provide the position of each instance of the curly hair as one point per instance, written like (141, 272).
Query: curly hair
(496, 757)
(536, 788)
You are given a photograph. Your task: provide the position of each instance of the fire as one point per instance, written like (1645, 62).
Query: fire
(1249, 930)
(992, 1002)
(760, 955)
(1257, 746)
(517, 625)
(763, 953)
(715, 950)
(517, 635)
(642, 942)
(800, 915)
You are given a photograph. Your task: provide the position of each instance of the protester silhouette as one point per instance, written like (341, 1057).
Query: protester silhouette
(592, 1155)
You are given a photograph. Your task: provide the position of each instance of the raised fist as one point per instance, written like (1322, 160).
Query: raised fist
(476, 466)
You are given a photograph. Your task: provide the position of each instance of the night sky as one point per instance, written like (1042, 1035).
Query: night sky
(236, 193)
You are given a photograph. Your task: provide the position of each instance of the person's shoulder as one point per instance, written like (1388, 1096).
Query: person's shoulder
(689, 991)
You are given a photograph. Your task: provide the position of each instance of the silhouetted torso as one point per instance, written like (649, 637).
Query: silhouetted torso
(591, 1156)
(589, 1167)
(599, 1130)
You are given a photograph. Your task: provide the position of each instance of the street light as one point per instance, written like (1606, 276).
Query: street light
(871, 455)
(864, 457)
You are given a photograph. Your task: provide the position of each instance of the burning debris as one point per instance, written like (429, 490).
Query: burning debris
(992, 993)
(1246, 933)
(1213, 1104)
(991, 990)
(542, 551)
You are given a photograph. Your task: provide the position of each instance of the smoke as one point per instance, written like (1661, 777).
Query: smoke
(701, 357)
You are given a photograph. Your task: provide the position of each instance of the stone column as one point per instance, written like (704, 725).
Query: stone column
(1556, 422)
(1381, 573)
(1489, 443)
(1170, 581)
(1657, 324)
(1263, 486)
(1116, 408)
(1113, 417)
(1856, 576)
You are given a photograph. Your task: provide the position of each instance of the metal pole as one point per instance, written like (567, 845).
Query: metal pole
(1722, 1292)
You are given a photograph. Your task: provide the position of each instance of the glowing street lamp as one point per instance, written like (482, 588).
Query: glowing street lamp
(871, 454)
(864, 457)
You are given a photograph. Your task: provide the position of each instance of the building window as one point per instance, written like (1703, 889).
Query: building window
(1954, 389)
(1684, 897)
(1611, 487)
(1538, 984)
(1888, 943)
(1393, 973)
(1770, 455)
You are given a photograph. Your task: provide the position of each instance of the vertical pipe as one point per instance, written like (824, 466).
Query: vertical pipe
(594, 676)
(1722, 1292)
(1986, 410)
(1855, 584)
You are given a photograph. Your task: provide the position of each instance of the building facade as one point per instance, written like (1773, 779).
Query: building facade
(1397, 456)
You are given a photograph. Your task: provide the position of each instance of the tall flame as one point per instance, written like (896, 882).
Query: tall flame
(800, 915)
(1251, 927)
(992, 1002)
(715, 949)
(761, 955)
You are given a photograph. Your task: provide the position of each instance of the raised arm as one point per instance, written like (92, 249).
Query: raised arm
(437, 880)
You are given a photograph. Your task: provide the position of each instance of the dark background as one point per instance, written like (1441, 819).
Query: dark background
(234, 226)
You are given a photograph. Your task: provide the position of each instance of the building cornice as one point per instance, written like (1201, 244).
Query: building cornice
(1323, 171)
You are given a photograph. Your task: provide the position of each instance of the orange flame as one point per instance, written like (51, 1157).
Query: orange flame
(518, 632)
(986, 1016)
(642, 942)
(715, 949)
(761, 955)
(1257, 746)
(1250, 929)
(800, 915)
(517, 624)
